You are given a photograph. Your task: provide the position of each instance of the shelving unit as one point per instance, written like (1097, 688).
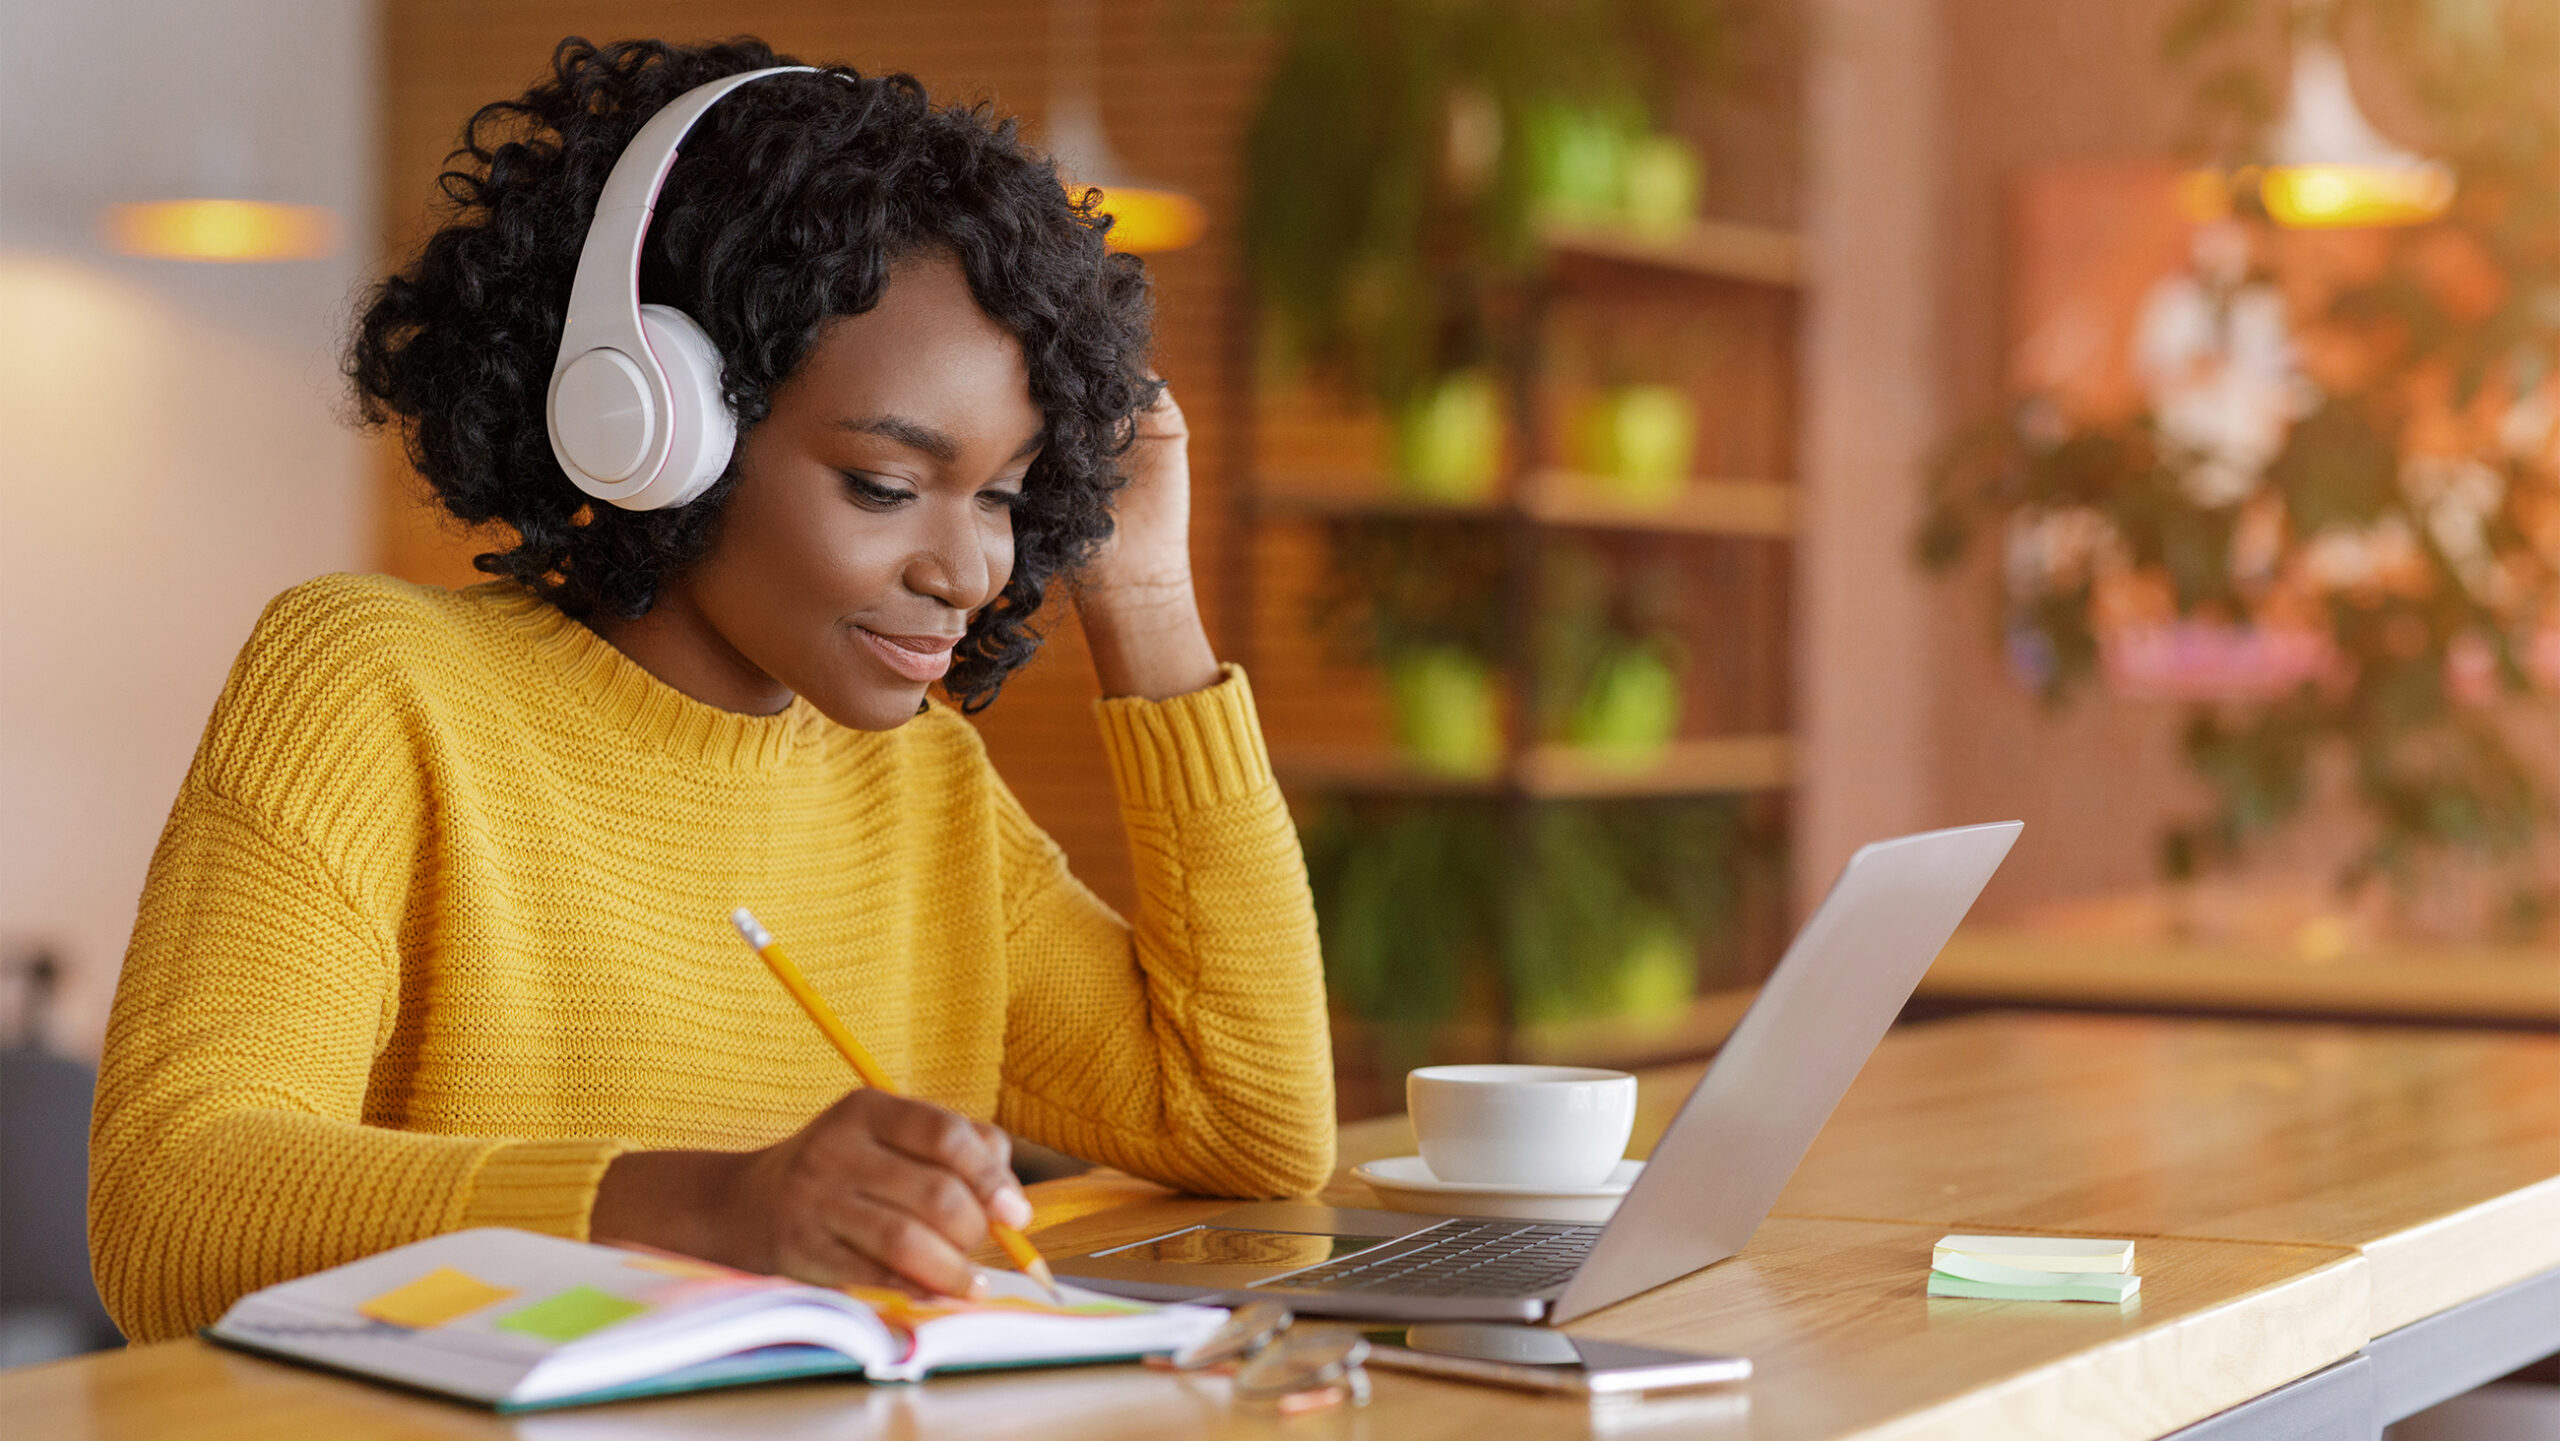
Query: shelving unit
(1553, 497)
(1704, 765)
(1712, 249)
(1732, 524)
(1696, 765)
(1708, 506)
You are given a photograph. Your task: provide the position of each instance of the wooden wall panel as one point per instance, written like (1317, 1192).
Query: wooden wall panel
(1175, 79)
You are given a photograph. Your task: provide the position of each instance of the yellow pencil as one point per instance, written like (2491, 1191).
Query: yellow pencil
(761, 941)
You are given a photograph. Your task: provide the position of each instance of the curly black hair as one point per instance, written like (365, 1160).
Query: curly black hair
(789, 203)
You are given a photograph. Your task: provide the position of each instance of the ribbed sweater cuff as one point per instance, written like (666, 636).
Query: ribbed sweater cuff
(1190, 752)
(546, 1186)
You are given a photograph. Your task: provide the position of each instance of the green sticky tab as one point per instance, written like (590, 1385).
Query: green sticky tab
(576, 1312)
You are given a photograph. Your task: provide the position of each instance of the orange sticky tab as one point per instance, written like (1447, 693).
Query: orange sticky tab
(433, 1299)
(684, 1266)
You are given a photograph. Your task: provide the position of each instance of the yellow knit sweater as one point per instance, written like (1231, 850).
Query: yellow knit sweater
(439, 926)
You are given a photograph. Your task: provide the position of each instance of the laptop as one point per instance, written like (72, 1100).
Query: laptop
(1712, 1177)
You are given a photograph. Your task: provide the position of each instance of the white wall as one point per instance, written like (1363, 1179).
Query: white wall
(171, 450)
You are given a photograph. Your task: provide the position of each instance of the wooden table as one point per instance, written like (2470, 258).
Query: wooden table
(2496, 985)
(2304, 1197)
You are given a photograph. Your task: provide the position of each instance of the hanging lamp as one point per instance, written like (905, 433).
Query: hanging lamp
(213, 203)
(225, 230)
(2331, 167)
(1145, 218)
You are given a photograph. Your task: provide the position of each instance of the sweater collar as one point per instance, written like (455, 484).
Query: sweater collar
(633, 701)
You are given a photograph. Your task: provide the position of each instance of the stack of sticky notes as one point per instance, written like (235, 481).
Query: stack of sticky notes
(2032, 1268)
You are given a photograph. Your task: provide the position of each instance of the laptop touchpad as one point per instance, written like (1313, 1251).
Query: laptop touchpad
(1218, 1246)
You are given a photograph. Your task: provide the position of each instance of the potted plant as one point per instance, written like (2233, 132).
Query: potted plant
(1423, 601)
(1578, 909)
(1608, 653)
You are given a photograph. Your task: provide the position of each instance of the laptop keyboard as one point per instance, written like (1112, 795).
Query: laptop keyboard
(1474, 1258)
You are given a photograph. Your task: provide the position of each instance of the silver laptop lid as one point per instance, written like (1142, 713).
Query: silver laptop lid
(1721, 1164)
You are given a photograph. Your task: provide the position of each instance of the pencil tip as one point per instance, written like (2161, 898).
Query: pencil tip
(1038, 1270)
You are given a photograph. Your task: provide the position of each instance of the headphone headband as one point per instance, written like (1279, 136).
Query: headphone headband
(624, 414)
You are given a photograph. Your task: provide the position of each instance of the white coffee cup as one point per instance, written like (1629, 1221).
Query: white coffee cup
(1563, 1126)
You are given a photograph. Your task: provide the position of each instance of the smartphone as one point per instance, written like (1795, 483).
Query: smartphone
(1535, 1358)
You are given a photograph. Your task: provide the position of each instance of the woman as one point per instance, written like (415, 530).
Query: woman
(437, 935)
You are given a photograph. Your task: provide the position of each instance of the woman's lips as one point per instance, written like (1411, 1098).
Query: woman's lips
(920, 658)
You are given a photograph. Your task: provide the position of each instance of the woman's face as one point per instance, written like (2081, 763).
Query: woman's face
(873, 514)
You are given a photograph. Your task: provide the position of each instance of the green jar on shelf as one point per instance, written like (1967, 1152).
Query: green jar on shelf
(1449, 440)
(1630, 711)
(1645, 970)
(1578, 162)
(1639, 441)
(1657, 974)
(1448, 711)
(1662, 186)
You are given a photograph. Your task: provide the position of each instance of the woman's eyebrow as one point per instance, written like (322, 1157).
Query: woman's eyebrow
(916, 435)
(913, 434)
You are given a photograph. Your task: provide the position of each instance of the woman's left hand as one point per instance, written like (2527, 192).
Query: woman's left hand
(1141, 615)
(1150, 548)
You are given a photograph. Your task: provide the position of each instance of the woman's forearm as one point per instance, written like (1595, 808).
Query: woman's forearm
(1205, 1064)
(1146, 636)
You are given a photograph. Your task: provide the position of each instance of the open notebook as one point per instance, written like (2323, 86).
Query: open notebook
(521, 1321)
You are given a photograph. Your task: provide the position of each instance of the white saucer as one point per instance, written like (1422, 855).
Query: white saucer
(1403, 1183)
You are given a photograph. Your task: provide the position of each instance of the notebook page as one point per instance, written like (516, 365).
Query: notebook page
(477, 1313)
(1017, 1324)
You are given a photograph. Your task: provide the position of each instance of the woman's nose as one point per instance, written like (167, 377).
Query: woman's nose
(955, 566)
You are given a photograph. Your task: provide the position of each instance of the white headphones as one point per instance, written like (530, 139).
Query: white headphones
(635, 410)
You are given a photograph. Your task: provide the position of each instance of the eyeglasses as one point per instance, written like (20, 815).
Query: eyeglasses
(1292, 1370)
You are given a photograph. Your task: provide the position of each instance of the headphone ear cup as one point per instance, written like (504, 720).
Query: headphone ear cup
(702, 429)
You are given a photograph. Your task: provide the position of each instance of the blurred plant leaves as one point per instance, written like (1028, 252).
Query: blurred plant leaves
(2466, 310)
(1379, 251)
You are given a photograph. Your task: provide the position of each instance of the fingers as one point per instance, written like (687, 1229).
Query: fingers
(979, 1155)
(861, 1241)
(882, 1189)
(928, 1194)
(1002, 1195)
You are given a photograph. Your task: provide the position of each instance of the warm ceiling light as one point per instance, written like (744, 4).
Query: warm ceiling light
(2332, 168)
(1145, 220)
(2316, 196)
(228, 230)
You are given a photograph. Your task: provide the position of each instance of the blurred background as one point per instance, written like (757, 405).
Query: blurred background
(1644, 449)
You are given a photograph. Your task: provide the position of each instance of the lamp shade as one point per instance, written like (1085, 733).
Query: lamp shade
(2332, 168)
(1145, 218)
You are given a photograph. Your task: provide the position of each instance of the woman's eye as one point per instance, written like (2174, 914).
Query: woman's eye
(1004, 500)
(873, 494)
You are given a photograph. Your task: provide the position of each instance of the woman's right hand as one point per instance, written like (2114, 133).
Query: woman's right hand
(878, 1190)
